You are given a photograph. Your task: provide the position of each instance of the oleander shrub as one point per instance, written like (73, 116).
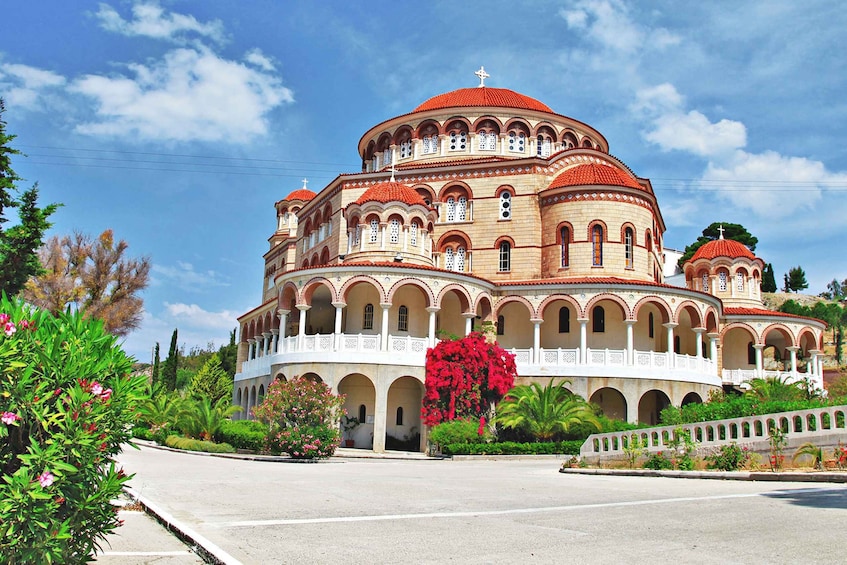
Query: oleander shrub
(730, 457)
(658, 462)
(67, 403)
(243, 434)
(302, 418)
(190, 444)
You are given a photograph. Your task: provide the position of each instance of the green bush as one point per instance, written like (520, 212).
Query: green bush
(243, 434)
(188, 444)
(67, 403)
(728, 458)
(732, 407)
(142, 432)
(658, 462)
(457, 431)
(513, 448)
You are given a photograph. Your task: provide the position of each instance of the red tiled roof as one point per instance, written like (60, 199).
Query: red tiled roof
(301, 194)
(763, 312)
(594, 174)
(483, 96)
(586, 280)
(723, 248)
(391, 192)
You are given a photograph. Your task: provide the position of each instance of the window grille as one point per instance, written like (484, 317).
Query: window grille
(739, 280)
(722, 281)
(461, 209)
(458, 141)
(368, 321)
(403, 319)
(451, 209)
(505, 205)
(505, 257)
(460, 260)
(705, 282)
(544, 146)
(413, 234)
(394, 232)
(517, 142)
(374, 230)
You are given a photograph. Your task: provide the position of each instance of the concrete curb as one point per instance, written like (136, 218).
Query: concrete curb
(819, 477)
(207, 550)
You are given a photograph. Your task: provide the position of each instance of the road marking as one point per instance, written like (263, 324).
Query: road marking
(478, 513)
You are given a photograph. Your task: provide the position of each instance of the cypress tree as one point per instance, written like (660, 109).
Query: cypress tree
(169, 368)
(154, 378)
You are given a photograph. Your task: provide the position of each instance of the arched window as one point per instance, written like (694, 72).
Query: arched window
(739, 281)
(460, 259)
(449, 261)
(565, 238)
(430, 144)
(564, 320)
(356, 233)
(403, 319)
(597, 245)
(368, 318)
(545, 145)
(394, 230)
(413, 234)
(650, 330)
(704, 285)
(451, 209)
(598, 320)
(363, 413)
(461, 209)
(505, 205)
(398, 421)
(458, 140)
(505, 257)
(374, 230)
(406, 149)
(628, 250)
(517, 142)
(487, 140)
(501, 324)
(722, 281)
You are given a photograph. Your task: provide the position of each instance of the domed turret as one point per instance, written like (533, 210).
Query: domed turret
(727, 269)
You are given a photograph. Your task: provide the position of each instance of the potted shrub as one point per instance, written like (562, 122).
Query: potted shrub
(348, 424)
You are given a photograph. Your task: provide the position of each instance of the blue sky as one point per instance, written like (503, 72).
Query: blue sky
(179, 123)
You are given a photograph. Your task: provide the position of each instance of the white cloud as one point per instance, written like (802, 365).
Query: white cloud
(150, 20)
(608, 23)
(693, 132)
(196, 317)
(256, 57)
(186, 277)
(192, 94)
(24, 86)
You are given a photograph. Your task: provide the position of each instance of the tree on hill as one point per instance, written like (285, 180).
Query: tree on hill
(795, 279)
(836, 290)
(768, 280)
(92, 276)
(18, 244)
(735, 232)
(169, 368)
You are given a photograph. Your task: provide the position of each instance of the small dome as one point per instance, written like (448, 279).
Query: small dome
(483, 96)
(594, 174)
(391, 191)
(723, 248)
(301, 194)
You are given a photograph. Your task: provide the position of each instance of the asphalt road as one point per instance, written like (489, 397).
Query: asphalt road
(391, 511)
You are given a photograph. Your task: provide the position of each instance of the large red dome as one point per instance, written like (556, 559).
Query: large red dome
(301, 194)
(594, 174)
(723, 248)
(483, 96)
(391, 192)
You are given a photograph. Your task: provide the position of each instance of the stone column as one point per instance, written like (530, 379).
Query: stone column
(283, 325)
(671, 354)
(793, 351)
(469, 318)
(275, 342)
(713, 346)
(301, 331)
(380, 416)
(266, 345)
(384, 338)
(698, 334)
(583, 340)
(442, 144)
(536, 339)
(758, 348)
(339, 307)
(250, 352)
(630, 347)
(432, 311)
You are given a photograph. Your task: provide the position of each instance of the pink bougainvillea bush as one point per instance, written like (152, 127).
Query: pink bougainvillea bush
(67, 404)
(303, 418)
(464, 377)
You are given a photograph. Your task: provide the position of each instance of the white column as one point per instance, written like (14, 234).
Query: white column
(384, 338)
(698, 335)
(339, 307)
(583, 340)
(301, 331)
(630, 348)
(283, 322)
(432, 311)
(469, 318)
(350, 240)
(671, 354)
(536, 339)
(793, 351)
(380, 417)
(758, 348)
(442, 144)
(274, 341)
(382, 229)
(250, 351)
(266, 345)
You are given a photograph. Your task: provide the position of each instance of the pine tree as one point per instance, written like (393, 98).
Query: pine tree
(735, 232)
(170, 366)
(18, 244)
(795, 280)
(211, 382)
(155, 375)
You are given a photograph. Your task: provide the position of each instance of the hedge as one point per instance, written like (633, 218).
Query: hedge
(734, 407)
(514, 448)
(189, 444)
(243, 434)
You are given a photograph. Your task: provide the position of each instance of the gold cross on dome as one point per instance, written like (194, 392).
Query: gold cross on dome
(482, 76)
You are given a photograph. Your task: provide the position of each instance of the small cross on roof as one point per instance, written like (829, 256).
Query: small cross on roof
(720, 231)
(482, 76)
(305, 182)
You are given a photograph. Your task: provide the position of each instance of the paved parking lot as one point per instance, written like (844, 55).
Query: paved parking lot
(389, 511)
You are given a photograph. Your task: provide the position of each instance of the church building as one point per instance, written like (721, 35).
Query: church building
(483, 207)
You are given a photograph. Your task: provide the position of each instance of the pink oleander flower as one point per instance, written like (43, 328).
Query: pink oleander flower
(4, 318)
(106, 394)
(96, 389)
(10, 329)
(46, 479)
(9, 418)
